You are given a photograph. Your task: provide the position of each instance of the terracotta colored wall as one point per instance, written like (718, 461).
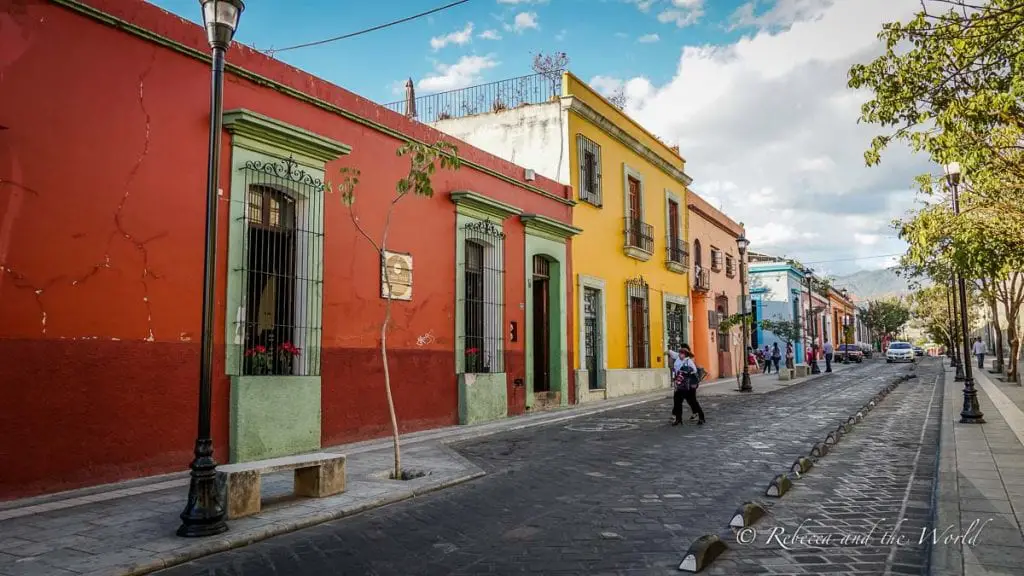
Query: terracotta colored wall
(102, 178)
(706, 224)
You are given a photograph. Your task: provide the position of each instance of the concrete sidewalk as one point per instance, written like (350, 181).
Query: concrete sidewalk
(979, 493)
(128, 528)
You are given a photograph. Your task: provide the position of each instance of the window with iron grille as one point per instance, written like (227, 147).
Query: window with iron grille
(588, 155)
(639, 350)
(716, 259)
(730, 266)
(722, 311)
(675, 246)
(278, 327)
(482, 274)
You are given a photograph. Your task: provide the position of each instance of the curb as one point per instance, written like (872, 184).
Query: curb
(224, 545)
(697, 557)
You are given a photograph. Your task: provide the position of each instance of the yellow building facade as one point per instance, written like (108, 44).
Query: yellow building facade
(631, 267)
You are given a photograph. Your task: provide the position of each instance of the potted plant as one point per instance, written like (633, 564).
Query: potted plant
(258, 360)
(472, 360)
(286, 354)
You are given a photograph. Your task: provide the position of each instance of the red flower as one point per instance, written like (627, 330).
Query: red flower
(256, 350)
(473, 351)
(289, 348)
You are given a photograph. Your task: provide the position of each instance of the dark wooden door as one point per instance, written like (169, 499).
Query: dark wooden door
(592, 337)
(541, 327)
(637, 315)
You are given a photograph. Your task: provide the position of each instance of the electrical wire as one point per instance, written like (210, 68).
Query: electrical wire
(858, 258)
(273, 51)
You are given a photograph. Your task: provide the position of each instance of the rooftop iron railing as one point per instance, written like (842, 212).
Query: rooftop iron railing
(484, 98)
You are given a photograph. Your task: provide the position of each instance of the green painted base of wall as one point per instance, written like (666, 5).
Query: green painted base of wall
(274, 416)
(482, 397)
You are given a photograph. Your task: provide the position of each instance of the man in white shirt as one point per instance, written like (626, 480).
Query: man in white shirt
(979, 352)
(829, 351)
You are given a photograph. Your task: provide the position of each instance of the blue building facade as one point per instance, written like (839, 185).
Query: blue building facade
(776, 293)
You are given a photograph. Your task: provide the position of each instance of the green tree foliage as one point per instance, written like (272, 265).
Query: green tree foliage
(930, 308)
(886, 317)
(423, 163)
(786, 330)
(950, 84)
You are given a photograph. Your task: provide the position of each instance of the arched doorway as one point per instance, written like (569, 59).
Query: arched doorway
(541, 336)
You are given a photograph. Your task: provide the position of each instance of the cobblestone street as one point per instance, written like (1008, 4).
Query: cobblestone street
(622, 492)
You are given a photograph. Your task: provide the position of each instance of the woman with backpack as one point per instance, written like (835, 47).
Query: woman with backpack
(685, 379)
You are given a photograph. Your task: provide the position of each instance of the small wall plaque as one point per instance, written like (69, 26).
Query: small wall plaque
(397, 269)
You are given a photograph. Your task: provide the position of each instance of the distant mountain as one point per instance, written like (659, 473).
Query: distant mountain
(874, 284)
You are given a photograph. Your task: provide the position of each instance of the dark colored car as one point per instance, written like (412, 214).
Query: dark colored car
(850, 351)
(918, 351)
(867, 351)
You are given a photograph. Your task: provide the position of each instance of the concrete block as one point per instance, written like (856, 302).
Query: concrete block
(778, 486)
(747, 515)
(820, 449)
(832, 439)
(859, 417)
(801, 370)
(327, 479)
(801, 466)
(243, 492)
(701, 553)
(785, 374)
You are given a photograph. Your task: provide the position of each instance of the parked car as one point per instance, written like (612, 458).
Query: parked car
(851, 351)
(918, 351)
(867, 350)
(899, 352)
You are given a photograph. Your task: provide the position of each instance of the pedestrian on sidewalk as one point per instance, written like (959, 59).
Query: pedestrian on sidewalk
(766, 355)
(776, 356)
(685, 381)
(829, 351)
(979, 352)
(789, 355)
(674, 368)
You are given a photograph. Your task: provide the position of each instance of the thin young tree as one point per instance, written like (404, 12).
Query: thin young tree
(424, 160)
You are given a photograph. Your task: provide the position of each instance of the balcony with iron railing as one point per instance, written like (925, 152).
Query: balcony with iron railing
(730, 267)
(482, 98)
(677, 257)
(701, 279)
(639, 239)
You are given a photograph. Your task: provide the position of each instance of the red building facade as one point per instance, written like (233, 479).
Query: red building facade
(104, 112)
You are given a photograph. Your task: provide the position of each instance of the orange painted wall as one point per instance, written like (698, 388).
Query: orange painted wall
(713, 228)
(102, 185)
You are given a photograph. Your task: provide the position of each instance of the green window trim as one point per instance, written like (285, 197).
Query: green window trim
(481, 207)
(259, 139)
(548, 227)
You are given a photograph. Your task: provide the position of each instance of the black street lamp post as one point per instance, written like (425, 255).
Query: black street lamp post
(971, 413)
(959, 375)
(742, 244)
(204, 511)
(951, 326)
(846, 338)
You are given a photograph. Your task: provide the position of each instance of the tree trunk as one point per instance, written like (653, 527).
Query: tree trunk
(387, 383)
(993, 303)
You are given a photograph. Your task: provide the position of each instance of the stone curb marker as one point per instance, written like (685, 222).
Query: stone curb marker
(705, 549)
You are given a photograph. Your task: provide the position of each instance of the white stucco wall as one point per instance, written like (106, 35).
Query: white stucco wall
(529, 136)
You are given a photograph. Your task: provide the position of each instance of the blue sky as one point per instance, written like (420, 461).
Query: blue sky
(753, 91)
(601, 37)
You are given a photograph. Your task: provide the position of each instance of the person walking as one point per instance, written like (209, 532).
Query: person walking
(829, 351)
(674, 368)
(776, 356)
(789, 355)
(979, 352)
(685, 381)
(767, 355)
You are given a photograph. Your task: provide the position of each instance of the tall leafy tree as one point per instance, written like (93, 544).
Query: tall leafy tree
(886, 317)
(950, 84)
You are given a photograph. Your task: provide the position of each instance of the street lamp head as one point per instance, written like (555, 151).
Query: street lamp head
(953, 173)
(221, 20)
(742, 243)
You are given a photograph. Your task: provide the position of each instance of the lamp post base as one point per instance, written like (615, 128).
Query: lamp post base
(971, 413)
(959, 377)
(745, 382)
(814, 368)
(204, 511)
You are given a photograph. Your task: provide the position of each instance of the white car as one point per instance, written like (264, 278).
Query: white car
(899, 352)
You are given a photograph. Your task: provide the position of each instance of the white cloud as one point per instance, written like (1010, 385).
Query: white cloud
(561, 35)
(522, 22)
(781, 13)
(489, 35)
(682, 13)
(643, 5)
(648, 38)
(769, 129)
(459, 37)
(466, 72)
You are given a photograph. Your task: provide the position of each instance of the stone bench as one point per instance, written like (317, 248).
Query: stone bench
(801, 370)
(316, 476)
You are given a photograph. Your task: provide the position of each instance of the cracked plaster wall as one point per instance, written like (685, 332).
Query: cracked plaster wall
(102, 176)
